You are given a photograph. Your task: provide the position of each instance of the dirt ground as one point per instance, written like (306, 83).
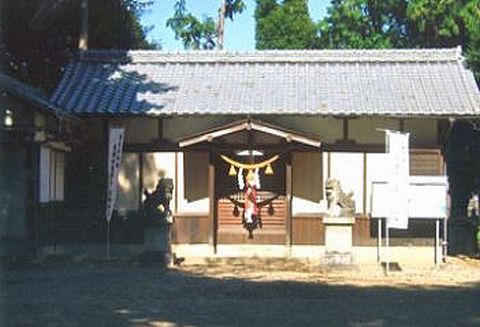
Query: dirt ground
(248, 292)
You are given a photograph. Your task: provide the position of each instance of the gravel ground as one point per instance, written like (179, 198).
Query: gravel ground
(239, 293)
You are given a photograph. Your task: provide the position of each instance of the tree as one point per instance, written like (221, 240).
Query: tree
(363, 24)
(403, 24)
(206, 33)
(39, 36)
(285, 25)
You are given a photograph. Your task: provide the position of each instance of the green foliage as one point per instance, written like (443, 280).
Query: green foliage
(435, 23)
(285, 25)
(39, 36)
(363, 24)
(403, 24)
(470, 15)
(233, 7)
(196, 33)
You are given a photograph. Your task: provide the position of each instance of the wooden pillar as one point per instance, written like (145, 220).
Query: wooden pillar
(212, 234)
(140, 180)
(33, 155)
(289, 197)
(329, 165)
(345, 129)
(365, 186)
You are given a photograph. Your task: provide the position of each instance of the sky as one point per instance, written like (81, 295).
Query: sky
(239, 33)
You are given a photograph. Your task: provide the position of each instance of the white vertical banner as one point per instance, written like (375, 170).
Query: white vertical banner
(115, 146)
(398, 180)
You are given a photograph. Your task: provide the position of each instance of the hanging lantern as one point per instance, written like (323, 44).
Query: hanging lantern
(269, 170)
(232, 171)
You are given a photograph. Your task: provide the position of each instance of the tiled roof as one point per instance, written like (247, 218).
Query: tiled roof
(30, 94)
(431, 82)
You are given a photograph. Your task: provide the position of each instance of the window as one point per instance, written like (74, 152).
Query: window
(52, 175)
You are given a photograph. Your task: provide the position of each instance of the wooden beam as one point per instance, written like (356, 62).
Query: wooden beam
(289, 197)
(250, 126)
(151, 147)
(212, 237)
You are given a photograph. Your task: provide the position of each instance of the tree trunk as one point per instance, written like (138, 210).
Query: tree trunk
(83, 39)
(221, 25)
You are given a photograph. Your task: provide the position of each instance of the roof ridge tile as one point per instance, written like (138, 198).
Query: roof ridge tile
(267, 56)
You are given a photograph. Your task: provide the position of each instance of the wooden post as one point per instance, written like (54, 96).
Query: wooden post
(379, 241)
(288, 187)
(212, 235)
(140, 180)
(365, 186)
(34, 162)
(329, 165)
(437, 237)
(345, 129)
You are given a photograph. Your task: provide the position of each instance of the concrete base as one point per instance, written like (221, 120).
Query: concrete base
(406, 256)
(157, 245)
(338, 240)
(156, 239)
(413, 256)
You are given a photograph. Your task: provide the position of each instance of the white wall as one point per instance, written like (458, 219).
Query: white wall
(377, 171)
(348, 169)
(128, 183)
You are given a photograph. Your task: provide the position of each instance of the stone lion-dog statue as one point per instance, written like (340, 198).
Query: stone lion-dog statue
(339, 203)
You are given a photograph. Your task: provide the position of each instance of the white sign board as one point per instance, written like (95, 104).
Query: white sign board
(427, 198)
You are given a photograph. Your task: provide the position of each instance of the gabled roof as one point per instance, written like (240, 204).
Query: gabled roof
(430, 82)
(249, 125)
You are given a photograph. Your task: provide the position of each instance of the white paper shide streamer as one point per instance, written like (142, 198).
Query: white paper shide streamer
(116, 136)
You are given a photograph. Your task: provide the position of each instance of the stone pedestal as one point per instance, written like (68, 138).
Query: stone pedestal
(157, 244)
(338, 240)
(155, 238)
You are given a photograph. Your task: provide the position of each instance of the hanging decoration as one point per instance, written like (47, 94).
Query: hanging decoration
(249, 183)
(253, 166)
(232, 171)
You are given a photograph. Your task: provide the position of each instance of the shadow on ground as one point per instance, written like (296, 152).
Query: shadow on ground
(99, 295)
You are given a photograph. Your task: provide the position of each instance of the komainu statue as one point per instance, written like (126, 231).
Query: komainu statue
(339, 203)
(157, 203)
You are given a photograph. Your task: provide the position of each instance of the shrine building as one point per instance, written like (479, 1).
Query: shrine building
(293, 119)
